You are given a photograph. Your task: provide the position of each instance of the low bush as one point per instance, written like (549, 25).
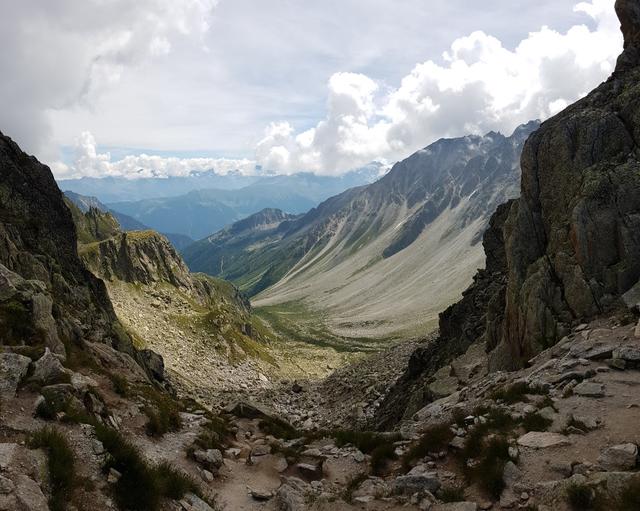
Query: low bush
(173, 483)
(434, 439)
(516, 392)
(489, 471)
(365, 441)
(630, 496)
(120, 384)
(451, 494)
(278, 428)
(536, 422)
(164, 417)
(141, 486)
(580, 497)
(60, 465)
(380, 457)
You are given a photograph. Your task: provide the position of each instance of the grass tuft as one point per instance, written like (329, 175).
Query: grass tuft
(516, 393)
(630, 496)
(535, 422)
(433, 439)
(448, 494)
(60, 465)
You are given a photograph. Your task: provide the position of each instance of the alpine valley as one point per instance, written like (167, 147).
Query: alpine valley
(459, 332)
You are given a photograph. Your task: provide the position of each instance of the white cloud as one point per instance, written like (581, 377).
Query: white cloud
(57, 55)
(479, 86)
(89, 162)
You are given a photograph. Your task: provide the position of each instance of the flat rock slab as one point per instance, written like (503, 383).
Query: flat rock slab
(589, 389)
(543, 440)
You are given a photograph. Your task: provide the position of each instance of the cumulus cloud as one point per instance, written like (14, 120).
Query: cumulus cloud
(480, 85)
(88, 162)
(64, 53)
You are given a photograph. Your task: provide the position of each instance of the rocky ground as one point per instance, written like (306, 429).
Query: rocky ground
(567, 426)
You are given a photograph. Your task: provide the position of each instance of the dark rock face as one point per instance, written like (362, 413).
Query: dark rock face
(38, 242)
(573, 238)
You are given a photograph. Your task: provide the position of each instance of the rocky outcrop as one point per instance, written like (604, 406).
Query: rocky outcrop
(143, 257)
(38, 243)
(572, 240)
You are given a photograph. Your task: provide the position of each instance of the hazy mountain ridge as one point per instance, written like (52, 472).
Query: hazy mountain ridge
(202, 212)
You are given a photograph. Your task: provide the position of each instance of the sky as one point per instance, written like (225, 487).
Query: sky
(141, 88)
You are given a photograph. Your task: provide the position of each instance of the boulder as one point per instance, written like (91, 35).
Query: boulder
(154, 363)
(29, 495)
(619, 457)
(410, 484)
(13, 368)
(542, 440)
(511, 474)
(49, 370)
(290, 497)
(589, 389)
(211, 458)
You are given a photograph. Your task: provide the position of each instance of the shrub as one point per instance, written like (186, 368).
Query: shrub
(60, 465)
(492, 456)
(138, 487)
(580, 497)
(278, 428)
(141, 486)
(535, 422)
(163, 418)
(380, 456)
(120, 385)
(516, 392)
(451, 494)
(630, 496)
(499, 419)
(365, 441)
(433, 439)
(173, 483)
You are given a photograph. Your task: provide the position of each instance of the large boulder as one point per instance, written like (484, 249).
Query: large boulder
(619, 457)
(154, 363)
(13, 368)
(49, 370)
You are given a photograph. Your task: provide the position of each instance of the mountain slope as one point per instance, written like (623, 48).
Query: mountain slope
(396, 252)
(567, 251)
(223, 254)
(205, 211)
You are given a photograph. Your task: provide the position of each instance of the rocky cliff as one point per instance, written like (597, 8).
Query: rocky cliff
(44, 281)
(573, 238)
(567, 250)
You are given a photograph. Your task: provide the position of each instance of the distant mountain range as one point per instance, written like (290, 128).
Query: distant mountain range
(393, 253)
(200, 213)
